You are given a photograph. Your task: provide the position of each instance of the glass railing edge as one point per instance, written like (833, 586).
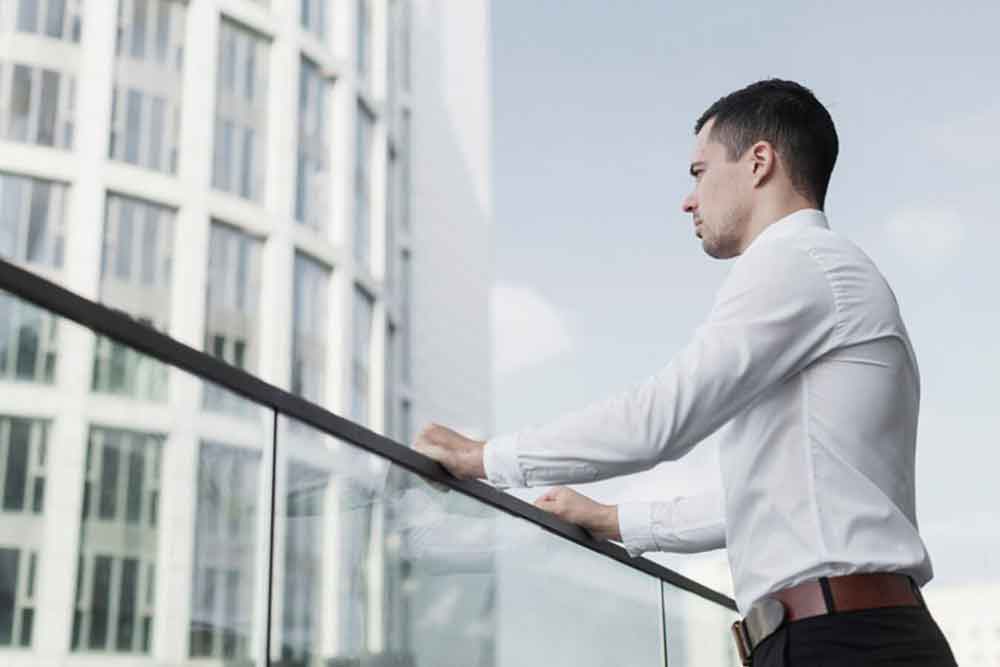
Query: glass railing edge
(119, 326)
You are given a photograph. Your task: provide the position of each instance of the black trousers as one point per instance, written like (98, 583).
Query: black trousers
(869, 638)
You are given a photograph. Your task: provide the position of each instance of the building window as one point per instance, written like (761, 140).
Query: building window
(225, 552)
(362, 186)
(406, 421)
(231, 309)
(391, 428)
(114, 606)
(311, 188)
(240, 112)
(136, 269)
(59, 19)
(313, 17)
(32, 211)
(146, 99)
(309, 328)
(40, 104)
(391, 219)
(405, 306)
(364, 307)
(31, 233)
(27, 341)
(23, 453)
(364, 38)
(17, 606)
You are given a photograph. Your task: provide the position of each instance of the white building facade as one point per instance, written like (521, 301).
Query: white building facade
(299, 187)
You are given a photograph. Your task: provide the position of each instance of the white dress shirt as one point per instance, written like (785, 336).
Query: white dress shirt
(806, 366)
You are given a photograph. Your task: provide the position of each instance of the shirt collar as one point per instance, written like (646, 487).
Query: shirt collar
(805, 217)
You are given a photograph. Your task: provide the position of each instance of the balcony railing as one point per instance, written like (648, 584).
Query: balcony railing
(226, 521)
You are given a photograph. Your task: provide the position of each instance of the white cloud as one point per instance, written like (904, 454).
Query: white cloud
(527, 329)
(927, 237)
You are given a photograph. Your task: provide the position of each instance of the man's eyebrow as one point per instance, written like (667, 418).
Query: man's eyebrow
(696, 165)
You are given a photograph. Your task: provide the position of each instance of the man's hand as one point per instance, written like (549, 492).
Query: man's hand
(599, 520)
(460, 456)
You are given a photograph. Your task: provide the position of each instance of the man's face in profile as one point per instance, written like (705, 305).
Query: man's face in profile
(720, 200)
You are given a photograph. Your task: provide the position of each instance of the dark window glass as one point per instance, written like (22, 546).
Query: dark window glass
(239, 353)
(127, 604)
(38, 220)
(55, 17)
(86, 499)
(139, 14)
(109, 481)
(27, 347)
(27, 621)
(219, 346)
(27, 16)
(9, 559)
(162, 31)
(147, 632)
(154, 507)
(136, 469)
(123, 242)
(74, 641)
(16, 480)
(232, 612)
(79, 578)
(133, 120)
(32, 563)
(100, 597)
(49, 106)
(156, 132)
(38, 495)
(20, 103)
(246, 169)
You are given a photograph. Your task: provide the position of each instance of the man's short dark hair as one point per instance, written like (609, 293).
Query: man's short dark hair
(789, 117)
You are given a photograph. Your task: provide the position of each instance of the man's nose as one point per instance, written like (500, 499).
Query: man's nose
(689, 204)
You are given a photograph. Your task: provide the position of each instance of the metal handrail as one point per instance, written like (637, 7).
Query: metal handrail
(119, 326)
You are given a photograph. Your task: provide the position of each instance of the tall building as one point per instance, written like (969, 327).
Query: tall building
(300, 188)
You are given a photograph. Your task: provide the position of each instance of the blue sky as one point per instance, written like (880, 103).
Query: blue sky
(599, 279)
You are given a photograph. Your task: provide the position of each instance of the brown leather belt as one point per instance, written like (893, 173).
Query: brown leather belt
(828, 595)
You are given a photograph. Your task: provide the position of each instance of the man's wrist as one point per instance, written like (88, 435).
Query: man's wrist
(608, 524)
(473, 464)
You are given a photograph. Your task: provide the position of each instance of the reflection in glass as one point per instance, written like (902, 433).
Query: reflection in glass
(231, 308)
(309, 328)
(119, 541)
(225, 551)
(697, 631)
(136, 273)
(381, 568)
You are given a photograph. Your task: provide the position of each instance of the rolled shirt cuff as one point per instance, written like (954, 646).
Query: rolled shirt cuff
(635, 523)
(500, 462)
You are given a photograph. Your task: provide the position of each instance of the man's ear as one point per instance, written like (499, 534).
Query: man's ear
(763, 161)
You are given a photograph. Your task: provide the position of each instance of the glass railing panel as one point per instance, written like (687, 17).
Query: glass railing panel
(132, 530)
(697, 630)
(376, 566)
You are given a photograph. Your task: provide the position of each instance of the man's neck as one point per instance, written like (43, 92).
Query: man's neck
(767, 215)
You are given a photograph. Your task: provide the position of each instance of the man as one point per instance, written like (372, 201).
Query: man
(806, 366)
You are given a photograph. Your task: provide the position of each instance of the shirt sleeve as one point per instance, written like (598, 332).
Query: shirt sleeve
(774, 315)
(684, 525)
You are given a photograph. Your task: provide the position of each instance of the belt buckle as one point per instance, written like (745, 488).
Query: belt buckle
(743, 646)
(763, 619)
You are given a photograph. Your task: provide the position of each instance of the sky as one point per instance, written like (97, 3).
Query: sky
(600, 280)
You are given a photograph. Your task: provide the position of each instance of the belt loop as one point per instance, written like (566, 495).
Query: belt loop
(824, 583)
